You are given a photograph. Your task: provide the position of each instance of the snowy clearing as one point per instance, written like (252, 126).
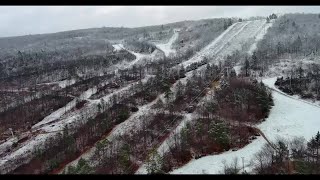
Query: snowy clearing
(117, 47)
(137, 60)
(237, 69)
(61, 84)
(166, 47)
(65, 83)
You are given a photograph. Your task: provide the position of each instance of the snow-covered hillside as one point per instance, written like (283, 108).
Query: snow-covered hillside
(288, 118)
(237, 34)
(167, 47)
(230, 40)
(147, 85)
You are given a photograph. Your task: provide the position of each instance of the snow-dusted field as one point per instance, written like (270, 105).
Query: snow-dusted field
(288, 118)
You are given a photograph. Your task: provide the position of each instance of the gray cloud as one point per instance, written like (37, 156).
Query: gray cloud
(22, 20)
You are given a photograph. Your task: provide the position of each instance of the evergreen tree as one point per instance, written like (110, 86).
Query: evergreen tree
(182, 72)
(233, 73)
(180, 90)
(154, 163)
(279, 48)
(298, 44)
(82, 168)
(247, 66)
(124, 159)
(184, 138)
(254, 60)
(229, 22)
(317, 145)
(225, 25)
(282, 151)
(218, 132)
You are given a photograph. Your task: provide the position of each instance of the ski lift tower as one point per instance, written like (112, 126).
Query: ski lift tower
(10, 129)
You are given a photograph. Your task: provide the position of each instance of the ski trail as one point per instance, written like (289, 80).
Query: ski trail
(24, 153)
(197, 56)
(166, 48)
(131, 123)
(58, 113)
(259, 35)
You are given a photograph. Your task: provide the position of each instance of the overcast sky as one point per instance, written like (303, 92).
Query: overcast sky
(22, 20)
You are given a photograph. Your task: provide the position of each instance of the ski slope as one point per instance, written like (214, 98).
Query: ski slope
(23, 153)
(56, 121)
(166, 47)
(229, 41)
(139, 60)
(289, 118)
(259, 35)
(131, 123)
(58, 113)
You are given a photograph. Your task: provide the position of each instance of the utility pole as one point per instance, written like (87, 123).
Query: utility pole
(242, 164)
(288, 161)
(227, 71)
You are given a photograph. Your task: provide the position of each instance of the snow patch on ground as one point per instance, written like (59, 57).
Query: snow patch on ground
(61, 84)
(7, 145)
(65, 83)
(237, 69)
(24, 153)
(117, 47)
